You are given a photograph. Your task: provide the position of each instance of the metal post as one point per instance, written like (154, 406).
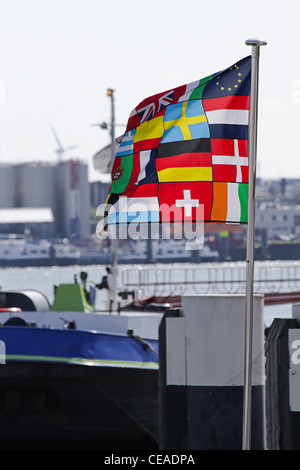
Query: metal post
(114, 242)
(110, 93)
(252, 141)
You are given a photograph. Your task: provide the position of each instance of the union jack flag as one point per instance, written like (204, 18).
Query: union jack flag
(147, 112)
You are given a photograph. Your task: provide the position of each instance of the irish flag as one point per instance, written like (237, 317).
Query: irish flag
(230, 203)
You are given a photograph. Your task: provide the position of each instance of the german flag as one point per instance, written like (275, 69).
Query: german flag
(184, 161)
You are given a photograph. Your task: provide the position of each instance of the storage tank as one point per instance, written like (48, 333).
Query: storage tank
(73, 192)
(7, 186)
(37, 186)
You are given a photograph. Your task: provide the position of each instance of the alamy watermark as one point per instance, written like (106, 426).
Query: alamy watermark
(2, 352)
(295, 357)
(138, 221)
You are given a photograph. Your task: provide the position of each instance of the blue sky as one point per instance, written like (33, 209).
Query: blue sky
(58, 57)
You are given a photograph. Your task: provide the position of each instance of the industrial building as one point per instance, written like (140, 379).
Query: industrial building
(278, 220)
(63, 188)
(98, 192)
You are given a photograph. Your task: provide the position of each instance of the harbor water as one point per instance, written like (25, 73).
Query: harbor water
(166, 279)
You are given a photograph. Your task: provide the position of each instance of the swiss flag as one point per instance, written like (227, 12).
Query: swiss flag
(187, 201)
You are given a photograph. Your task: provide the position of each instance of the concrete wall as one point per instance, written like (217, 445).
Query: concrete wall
(202, 374)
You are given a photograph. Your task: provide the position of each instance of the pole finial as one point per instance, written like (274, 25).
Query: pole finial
(255, 42)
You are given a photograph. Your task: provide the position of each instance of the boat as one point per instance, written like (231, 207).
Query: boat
(172, 251)
(17, 251)
(74, 377)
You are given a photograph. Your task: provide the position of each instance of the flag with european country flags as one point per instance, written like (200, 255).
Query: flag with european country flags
(184, 148)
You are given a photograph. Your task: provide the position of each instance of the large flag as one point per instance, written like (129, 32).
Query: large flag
(185, 148)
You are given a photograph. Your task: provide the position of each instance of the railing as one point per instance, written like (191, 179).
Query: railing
(210, 278)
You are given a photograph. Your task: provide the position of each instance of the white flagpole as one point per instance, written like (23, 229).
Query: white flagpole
(252, 142)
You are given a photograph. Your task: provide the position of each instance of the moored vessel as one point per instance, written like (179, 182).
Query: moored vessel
(76, 378)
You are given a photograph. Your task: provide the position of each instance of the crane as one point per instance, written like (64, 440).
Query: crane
(60, 151)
